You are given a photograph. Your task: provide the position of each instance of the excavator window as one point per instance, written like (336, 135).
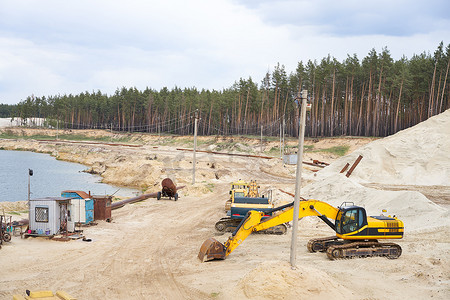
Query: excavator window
(350, 220)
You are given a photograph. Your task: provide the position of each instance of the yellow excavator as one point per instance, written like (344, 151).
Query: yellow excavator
(243, 198)
(357, 234)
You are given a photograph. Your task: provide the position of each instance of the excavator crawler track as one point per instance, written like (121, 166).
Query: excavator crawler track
(322, 244)
(229, 225)
(364, 249)
(278, 230)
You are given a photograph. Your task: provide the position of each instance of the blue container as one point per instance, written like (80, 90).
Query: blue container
(89, 203)
(89, 206)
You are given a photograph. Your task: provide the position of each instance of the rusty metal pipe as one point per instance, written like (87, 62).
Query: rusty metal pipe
(229, 154)
(354, 166)
(122, 203)
(345, 168)
(119, 204)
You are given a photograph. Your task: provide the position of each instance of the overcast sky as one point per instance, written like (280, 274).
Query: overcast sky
(50, 47)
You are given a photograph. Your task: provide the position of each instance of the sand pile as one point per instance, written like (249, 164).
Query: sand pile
(276, 280)
(419, 155)
(416, 156)
(18, 206)
(413, 208)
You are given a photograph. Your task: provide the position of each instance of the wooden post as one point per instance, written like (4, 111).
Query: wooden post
(195, 147)
(298, 182)
(159, 130)
(284, 128)
(261, 139)
(281, 151)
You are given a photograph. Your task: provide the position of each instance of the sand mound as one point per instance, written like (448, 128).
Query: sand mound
(276, 280)
(18, 206)
(413, 208)
(415, 156)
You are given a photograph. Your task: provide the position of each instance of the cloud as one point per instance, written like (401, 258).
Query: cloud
(354, 17)
(51, 47)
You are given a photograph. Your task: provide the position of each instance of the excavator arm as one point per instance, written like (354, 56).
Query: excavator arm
(213, 249)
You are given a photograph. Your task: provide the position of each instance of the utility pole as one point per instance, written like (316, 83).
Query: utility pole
(261, 138)
(159, 130)
(298, 176)
(284, 128)
(281, 150)
(195, 147)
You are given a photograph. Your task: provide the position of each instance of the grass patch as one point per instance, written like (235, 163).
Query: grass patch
(170, 141)
(206, 142)
(68, 137)
(210, 187)
(274, 151)
(17, 213)
(337, 150)
(293, 149)
(232, 146)
(8, 135)
(14, 213)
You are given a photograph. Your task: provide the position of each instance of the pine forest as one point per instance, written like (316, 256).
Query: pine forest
(375, 96)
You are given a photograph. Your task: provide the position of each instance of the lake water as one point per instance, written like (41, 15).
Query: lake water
(50, 177)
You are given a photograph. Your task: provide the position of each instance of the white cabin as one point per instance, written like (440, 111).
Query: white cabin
(49, 215)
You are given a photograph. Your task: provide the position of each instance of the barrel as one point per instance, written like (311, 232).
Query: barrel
(168, 187)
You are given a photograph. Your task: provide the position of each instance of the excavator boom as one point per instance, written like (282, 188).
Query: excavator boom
(356, 233)
(213, 249)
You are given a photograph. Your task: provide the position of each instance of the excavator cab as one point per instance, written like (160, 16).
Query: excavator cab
(350, 219)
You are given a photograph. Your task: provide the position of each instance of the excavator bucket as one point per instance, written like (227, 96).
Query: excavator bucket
(211, 249)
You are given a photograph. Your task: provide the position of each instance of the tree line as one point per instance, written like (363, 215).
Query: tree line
(375, 96)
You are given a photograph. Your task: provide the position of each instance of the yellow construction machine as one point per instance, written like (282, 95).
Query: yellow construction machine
(243, 198)
(44, 295)
(357, 234)
(253, 189)
(238, 188)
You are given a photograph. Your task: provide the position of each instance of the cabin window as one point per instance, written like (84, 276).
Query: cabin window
(361, 218)
(338, 222)
(41, 214)
(239, 194)
(350, 221)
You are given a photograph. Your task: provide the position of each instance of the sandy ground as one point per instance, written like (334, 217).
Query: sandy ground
(150, 249)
